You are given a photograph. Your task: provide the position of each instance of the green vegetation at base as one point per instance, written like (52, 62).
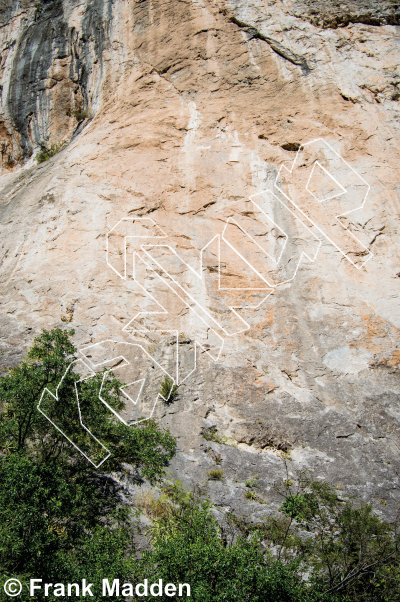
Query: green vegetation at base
(58, 514)
(318, 548)
(61, 519)
(194, 552)
(54, 525)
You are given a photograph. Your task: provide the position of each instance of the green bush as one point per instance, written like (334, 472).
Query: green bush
(46, 153)
(82, 115)
(348, 550)
(217, 474)
(251, 495)
(251, 482)
(211, 434)
(50, 525)
(196, 551)
(168, 390)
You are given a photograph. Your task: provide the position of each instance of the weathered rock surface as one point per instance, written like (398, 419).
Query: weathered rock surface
(325, 13)
(177, 112)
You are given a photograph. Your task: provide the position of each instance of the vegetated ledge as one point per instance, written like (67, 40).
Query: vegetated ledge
(329, 14)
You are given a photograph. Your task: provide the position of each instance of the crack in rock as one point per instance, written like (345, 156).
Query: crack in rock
(276, 46)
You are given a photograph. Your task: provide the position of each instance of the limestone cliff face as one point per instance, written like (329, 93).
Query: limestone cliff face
(51, 69)
(174, 114)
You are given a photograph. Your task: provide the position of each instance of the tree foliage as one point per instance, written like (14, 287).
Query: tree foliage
(61, 519)
(189, 547)
(343, 546)
(49, 365)
(51, 526)
(317, 548)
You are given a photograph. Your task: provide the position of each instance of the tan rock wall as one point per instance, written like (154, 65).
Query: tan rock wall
(191, 109)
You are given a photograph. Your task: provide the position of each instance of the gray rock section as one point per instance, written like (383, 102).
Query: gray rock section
(339, 13)
(42, 39)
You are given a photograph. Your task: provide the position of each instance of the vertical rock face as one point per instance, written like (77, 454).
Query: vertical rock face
(334, 14)
(282, 283)
(51, 72)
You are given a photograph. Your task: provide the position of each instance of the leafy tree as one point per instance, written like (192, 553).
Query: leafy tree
(53, 528)
(59, 516)
(61, 519)
(346, 549)
(23, 428)
(196, 554)
(189, 546)
(318, 548)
